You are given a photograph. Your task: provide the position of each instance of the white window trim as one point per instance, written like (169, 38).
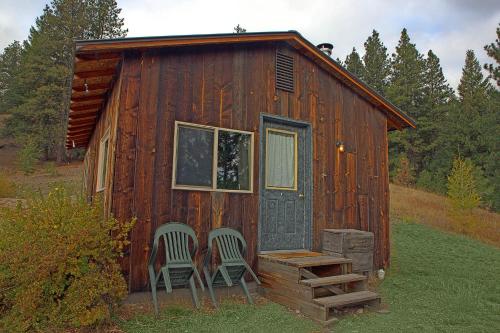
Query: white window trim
(214, 160)
(101, 187)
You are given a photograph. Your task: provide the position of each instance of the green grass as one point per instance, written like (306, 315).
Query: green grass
(231, 317)
(438, 282)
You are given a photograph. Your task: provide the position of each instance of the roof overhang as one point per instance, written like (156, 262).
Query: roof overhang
(97, 63)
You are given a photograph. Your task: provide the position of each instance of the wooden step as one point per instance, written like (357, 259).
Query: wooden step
(347, 299)
(332, 280)
(316, 261)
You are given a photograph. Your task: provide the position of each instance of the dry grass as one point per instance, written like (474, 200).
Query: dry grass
(408, 204)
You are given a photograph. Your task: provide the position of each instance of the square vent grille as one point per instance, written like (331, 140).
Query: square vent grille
(284, 72)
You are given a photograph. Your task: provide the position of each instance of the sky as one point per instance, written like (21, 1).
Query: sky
(449, 27)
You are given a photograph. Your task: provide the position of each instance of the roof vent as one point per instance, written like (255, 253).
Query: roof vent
(326, 48)
(284, 72)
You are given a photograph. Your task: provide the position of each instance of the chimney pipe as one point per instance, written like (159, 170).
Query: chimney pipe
(326, 48)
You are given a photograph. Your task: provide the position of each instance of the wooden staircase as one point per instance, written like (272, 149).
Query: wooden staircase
(313, 283)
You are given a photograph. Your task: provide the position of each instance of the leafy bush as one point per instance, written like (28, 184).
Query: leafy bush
(462, 191)
(28, 156)
(58, 264)
(7, 188)
(404, 173)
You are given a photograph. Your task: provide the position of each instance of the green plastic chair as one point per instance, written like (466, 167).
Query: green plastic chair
(231, 247)
(179, 269)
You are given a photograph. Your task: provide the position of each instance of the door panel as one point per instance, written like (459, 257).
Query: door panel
(285, 196)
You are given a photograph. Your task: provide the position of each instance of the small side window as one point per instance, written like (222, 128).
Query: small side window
(102, 165)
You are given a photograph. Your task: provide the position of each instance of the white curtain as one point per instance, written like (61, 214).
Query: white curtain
(280, 159)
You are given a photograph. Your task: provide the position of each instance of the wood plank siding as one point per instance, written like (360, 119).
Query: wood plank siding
(230, 86)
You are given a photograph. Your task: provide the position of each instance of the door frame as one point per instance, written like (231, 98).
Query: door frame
(308, 173)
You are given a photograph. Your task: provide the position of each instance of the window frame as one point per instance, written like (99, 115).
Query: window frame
(296, 164)
(101, 180)
(215, 156)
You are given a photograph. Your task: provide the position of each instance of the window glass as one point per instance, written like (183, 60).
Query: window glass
(233, 160)
(281, 159)
(194, 156)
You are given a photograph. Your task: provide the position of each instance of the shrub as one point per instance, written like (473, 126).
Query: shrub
(462, 191)
(404, 172)
(28, 156)
(7, 188)
(58, 264)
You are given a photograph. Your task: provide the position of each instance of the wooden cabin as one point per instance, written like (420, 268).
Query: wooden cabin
(261, 132)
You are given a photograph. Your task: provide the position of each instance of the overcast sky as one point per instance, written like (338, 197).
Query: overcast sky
(449, 28)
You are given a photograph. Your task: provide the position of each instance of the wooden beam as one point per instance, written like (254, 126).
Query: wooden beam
(92, 81)
(91, 92)
(75, 119)
(82, 124)
(85, 129)
(97, 56)
(83, 112)
(85, 107)
(99, 98)
(82, 65)
(95, 73)
(91, 87)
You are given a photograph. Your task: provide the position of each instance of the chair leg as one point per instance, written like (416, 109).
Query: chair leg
(166, 279)
(225, 275)
(194, 293)
(252, 273)
(155, 300)
(152, 282)
(210, 287)
(195, 272)
(245, 289)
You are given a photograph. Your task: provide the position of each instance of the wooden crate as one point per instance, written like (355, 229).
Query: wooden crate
(350, 243)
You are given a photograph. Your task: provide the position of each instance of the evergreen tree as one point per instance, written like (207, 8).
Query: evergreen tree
(42, 84)
(406, 91)
(377, 63)
(10, 60)
(354, 65)
(475, 123)
(493, 50)
(436, 103)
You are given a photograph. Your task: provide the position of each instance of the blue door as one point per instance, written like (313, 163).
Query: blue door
(285, 175)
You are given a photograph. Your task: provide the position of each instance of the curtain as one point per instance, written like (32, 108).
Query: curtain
(280, 160)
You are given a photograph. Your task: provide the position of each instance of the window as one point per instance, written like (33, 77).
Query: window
(281, 159)
(212, 159)
(102, 165)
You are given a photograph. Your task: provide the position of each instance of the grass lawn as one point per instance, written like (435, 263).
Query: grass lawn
(438, 282)
(231, 317)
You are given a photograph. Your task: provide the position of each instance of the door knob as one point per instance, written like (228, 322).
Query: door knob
(301, 195)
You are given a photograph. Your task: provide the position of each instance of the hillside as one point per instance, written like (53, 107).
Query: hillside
(412, 205)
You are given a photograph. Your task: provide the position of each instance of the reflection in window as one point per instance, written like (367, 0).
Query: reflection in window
(211, 158)
(194, 156)
(233, 159)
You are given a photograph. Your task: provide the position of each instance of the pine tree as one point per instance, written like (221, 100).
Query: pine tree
(43, 82)
(475, 123)
(354, 65)
(406, 91)
(10, 61)
(493, 50)
(436, 102)
(377, 63)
